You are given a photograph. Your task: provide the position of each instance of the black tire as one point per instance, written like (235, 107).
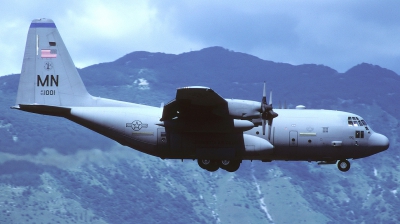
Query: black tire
(213, 166)
(230, 165)
(207, 164)
(203, 163)
(343, 165)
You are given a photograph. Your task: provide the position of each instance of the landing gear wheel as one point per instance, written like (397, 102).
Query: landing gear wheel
(343, 165)
(230, 165)
(207, 164)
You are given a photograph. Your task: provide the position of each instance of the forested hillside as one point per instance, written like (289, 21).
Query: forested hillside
(55, 171)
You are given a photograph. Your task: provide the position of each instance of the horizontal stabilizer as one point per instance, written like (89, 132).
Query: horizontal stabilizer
(44, 109)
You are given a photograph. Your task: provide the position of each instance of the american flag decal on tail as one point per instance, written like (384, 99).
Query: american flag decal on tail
(47, 53)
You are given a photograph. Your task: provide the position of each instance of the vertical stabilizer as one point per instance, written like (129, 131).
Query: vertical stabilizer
(48, 74)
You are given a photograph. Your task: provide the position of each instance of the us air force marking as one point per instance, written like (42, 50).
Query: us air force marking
(136, 125)
(48, 65)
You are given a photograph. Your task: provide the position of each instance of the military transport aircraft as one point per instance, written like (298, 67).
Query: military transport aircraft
(198, 124)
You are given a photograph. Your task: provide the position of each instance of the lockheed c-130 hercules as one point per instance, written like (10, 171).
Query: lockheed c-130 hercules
(198, 124)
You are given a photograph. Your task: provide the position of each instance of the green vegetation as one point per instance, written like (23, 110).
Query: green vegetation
(55, 171)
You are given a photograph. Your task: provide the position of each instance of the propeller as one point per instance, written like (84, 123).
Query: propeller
(267, 112)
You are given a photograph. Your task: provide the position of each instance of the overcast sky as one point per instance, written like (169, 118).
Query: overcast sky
(339, 34)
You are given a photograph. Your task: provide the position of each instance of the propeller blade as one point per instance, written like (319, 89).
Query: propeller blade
(270, 127)
(269, 132)
(263, 126)
(264, 99)
(270, 98)
(264, 91)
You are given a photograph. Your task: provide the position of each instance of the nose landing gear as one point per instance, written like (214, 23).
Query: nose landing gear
(343, 165)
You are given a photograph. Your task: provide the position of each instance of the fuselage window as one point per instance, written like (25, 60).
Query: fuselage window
(325, 129)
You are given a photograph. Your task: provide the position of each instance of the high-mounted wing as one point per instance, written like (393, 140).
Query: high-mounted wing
(200, 109)
(195, 102)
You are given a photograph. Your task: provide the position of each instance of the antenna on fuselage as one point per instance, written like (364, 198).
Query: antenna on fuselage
(284, 105)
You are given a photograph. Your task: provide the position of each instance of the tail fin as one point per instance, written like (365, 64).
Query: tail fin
(48, 75)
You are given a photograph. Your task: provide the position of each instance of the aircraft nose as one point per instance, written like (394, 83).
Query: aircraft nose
(378, 143)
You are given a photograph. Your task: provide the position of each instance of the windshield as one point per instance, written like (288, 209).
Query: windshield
(356, 122)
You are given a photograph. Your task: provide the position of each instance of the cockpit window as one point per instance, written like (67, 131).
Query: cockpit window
(356, 122)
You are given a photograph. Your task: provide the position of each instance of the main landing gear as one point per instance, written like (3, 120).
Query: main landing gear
(214, 165)
(343, 165)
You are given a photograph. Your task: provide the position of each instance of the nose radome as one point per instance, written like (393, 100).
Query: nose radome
(378, 142)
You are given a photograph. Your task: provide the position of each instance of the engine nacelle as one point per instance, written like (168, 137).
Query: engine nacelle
(244, 108)
(256, 148)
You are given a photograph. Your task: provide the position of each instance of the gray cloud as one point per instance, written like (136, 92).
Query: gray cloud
(339, 34)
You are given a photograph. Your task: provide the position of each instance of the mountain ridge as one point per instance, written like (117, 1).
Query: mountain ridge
(109, 183)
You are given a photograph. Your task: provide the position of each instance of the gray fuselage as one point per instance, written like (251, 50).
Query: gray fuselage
(297, 134)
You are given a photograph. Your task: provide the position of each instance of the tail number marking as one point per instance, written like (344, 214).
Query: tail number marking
(48, 92)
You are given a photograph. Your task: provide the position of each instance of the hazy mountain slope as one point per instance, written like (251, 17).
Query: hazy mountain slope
(52, 170)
